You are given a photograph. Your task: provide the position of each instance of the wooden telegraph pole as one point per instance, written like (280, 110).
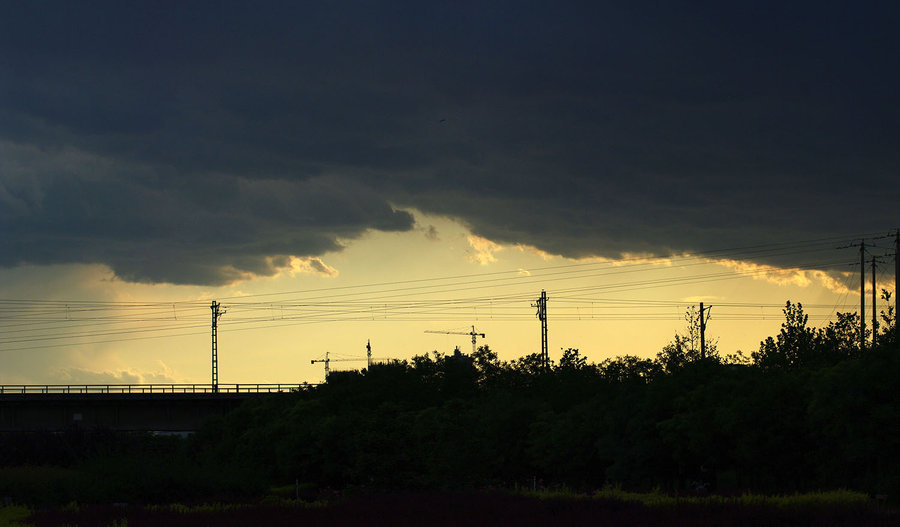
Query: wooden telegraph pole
(862, 295)
(874, 305)
(703, 320)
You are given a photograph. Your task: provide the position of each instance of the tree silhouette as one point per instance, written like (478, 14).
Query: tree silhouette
(571, 360)
(684, 349)
(793, 346)
(889, 333)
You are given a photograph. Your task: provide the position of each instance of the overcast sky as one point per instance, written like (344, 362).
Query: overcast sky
(158, 156)
(204, 142)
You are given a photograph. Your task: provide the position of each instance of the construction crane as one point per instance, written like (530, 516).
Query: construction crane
(474, 334)
(328, 360)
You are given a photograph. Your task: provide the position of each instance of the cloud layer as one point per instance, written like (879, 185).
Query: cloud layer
(209, 142)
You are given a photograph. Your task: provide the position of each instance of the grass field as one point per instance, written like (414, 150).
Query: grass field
(607, 507)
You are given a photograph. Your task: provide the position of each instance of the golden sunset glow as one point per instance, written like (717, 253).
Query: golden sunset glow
(447, 279)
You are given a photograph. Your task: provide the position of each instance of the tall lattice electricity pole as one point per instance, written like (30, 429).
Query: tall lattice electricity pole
(217, 311)
(541, 305)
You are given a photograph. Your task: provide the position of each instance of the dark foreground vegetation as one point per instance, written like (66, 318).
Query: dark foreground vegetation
(808, 410)
(475, 508)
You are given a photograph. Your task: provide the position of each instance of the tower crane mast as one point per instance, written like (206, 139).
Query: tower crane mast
(474, 334)
(328, 360)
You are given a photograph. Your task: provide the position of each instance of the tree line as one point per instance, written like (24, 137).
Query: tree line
(810, 409)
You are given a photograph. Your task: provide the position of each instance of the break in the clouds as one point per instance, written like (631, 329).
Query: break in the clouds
(69, 375)
(207, 142)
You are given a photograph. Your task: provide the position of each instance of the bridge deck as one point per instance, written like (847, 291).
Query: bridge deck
(150, 388)
(135, 407)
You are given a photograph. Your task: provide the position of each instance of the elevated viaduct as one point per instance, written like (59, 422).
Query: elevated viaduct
(166, 408)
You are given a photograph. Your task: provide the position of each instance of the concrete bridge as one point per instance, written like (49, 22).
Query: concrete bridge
(169, 408)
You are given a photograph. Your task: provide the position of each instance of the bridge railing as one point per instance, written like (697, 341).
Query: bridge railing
(150, 388)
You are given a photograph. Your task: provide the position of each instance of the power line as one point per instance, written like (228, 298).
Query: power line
(771, 250)
(47, 320)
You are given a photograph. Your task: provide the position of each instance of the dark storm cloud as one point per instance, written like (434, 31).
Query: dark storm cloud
(207, 229)
(199, 142)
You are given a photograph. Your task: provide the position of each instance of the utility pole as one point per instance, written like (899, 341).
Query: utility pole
(368, 354)
(703, 330)
(862, 295)
(217, 311)
(541, 306)
(896, 272)
(874, 304)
